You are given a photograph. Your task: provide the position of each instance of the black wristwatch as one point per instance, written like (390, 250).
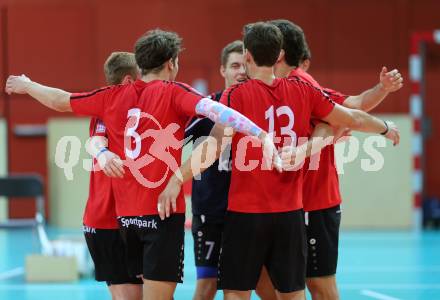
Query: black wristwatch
(387, 128)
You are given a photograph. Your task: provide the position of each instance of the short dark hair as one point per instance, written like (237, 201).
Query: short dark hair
(264, 41)
(234, 47)
(155, 48)
(307, 53)
(118, 65)
(294, 41)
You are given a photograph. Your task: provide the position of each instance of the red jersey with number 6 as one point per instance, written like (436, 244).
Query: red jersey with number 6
(283, 108)
(145, 126)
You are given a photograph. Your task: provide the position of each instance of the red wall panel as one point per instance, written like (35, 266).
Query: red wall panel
(361, 40)
(55, 45)
(3, 58)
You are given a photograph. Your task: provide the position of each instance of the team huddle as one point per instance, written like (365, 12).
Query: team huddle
(263, 218)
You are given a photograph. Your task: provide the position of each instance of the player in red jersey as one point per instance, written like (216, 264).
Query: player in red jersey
(321, 196)
(101, 229)
(145, 123)
(265, 223)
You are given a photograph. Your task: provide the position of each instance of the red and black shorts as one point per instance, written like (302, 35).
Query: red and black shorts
(154, 247)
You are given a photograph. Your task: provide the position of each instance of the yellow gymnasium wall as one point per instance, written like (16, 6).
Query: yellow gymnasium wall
(375, 197)
(69, 181)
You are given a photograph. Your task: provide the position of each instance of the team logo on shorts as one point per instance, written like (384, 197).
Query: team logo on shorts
(87, 229)
(126, 222)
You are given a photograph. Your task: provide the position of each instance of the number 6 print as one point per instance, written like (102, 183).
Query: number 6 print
(287, 130)
(131, 132)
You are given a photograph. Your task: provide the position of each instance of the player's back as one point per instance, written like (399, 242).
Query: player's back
(284, 109)
(322, 172)
(147, 121)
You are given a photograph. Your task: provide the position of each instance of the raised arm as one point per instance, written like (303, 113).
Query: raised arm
(388, 82)
(53, 98)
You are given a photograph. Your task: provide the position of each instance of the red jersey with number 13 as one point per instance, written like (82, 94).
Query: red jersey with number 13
(284, 108)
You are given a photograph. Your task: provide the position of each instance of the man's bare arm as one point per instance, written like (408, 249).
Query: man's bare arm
(53, 98)
(388, 82)
(362, 121)
(110, 163)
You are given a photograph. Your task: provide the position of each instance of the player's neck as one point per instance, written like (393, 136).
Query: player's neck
(283, 70)
(264, 74)
(156, 76)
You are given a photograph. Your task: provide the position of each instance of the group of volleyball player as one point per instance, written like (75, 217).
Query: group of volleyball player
(264, 216)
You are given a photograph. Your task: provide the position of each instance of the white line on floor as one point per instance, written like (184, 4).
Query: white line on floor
(11, 273)
(361, 269)
(376, 295)
(392, 286)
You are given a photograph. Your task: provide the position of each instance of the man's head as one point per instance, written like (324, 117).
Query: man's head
(294, 42)
(232, 63)
(120, 67)
(157, 51)
(262, 43)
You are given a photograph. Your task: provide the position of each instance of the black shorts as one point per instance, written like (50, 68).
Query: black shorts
(322, 227)
(207, 241)
(108, 254)
(154, 247)
(275, 240)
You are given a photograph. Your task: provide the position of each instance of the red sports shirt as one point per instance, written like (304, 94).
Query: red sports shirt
(100, 209)
(145, 126)
(285, 108)
(321, 186)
